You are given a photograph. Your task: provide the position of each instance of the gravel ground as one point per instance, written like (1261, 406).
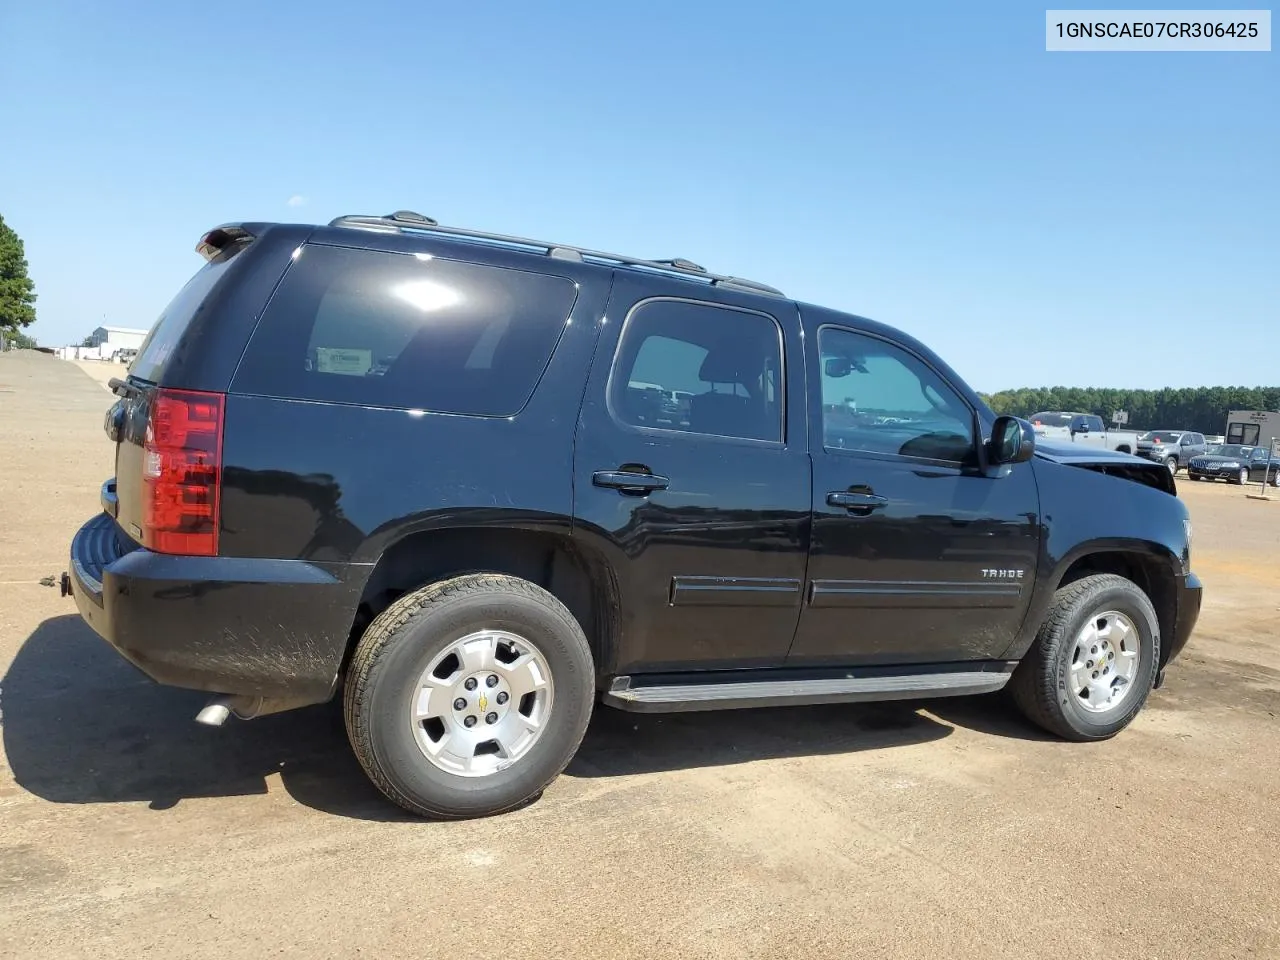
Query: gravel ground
(949, 828)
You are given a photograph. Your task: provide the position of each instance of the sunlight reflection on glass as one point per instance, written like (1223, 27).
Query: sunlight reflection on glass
(427, 295)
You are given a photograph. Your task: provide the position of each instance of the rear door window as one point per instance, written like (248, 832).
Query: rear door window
(699, 368)
(410, 331)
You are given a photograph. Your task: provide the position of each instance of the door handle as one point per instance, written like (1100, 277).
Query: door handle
(858, 502)
(630, 481)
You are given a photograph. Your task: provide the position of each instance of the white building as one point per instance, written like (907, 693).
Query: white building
(110, 339)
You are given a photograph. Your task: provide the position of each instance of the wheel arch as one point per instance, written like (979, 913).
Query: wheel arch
(1153, 567)
(572, 572)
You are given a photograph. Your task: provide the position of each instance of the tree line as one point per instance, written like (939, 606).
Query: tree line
(17, 292)
(1202, 409)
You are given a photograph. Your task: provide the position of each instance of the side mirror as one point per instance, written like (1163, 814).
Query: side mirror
(1013, 440)
(837, 367)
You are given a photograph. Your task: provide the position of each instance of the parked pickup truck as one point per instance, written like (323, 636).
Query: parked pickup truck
(1083, 428)
(421, 469)
(1173, 448)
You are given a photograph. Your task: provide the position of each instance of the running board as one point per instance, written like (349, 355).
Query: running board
(728, 694)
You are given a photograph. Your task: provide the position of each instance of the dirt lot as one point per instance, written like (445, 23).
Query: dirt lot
(944, 829)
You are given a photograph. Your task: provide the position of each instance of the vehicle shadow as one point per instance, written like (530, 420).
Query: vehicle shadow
(80, 725)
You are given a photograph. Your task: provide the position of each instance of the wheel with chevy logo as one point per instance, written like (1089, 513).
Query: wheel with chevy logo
(1093, 662)
(467, 697)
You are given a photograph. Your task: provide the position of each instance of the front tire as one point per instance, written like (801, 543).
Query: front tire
(1243, 477)
(1172, 464)
(1093, 662)
(466, 698)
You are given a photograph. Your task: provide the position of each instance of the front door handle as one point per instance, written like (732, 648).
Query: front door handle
(857, 502)
(629, 481)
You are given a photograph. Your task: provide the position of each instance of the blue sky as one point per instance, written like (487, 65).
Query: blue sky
(1038, 219)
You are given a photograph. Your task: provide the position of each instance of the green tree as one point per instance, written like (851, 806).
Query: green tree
(1203, 409)
(17, 292)
(16, 340)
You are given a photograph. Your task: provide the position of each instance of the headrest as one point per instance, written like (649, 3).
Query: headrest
(729, 365)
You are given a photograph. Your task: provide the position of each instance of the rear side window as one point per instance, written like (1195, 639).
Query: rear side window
(699, 368)
(406, 330)
(165, 333)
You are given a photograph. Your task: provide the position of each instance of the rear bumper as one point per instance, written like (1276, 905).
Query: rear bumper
(275, 629)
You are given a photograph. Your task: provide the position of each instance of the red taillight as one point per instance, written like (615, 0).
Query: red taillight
(182, 472)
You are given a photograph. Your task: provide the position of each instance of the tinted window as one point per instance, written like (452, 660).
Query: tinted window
(1230, 450)
(1096, 424)
(699, 368)
(406, 330)
(879, 398)
(165, 333)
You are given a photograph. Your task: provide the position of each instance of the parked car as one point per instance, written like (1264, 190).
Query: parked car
(1173, 448)
(423, 469)
(1236, 463)
(1086, 429)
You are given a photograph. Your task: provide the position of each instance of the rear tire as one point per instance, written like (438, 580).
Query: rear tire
(408, 675)
(1047, 685)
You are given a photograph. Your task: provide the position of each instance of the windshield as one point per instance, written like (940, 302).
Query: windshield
(1051, 419)
(1230, 450)
(1163, 436)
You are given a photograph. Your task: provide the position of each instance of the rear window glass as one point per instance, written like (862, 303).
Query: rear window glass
(406, 330)
(162, 339)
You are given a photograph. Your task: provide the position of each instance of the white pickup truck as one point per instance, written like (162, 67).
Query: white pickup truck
(1083, 428)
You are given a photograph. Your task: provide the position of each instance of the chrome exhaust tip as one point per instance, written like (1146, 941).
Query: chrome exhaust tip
(215, 712)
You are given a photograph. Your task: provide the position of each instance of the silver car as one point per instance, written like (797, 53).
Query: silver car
(1173, 448)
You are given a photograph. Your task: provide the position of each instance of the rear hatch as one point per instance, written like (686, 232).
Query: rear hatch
(167, 440)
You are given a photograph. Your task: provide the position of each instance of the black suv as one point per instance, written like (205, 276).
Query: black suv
(477, 483)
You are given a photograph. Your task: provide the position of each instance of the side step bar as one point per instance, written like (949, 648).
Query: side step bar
(626, 694)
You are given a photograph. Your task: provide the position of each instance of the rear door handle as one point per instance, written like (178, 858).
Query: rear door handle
(860, 502)
(629, 481)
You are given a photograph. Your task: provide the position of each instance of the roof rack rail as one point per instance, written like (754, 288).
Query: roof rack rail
(408, 220)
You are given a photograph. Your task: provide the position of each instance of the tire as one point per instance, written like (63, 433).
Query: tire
(387, 686)
(1043, 683)
(1172, 464)
(1242, 477)
(1275, 478)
